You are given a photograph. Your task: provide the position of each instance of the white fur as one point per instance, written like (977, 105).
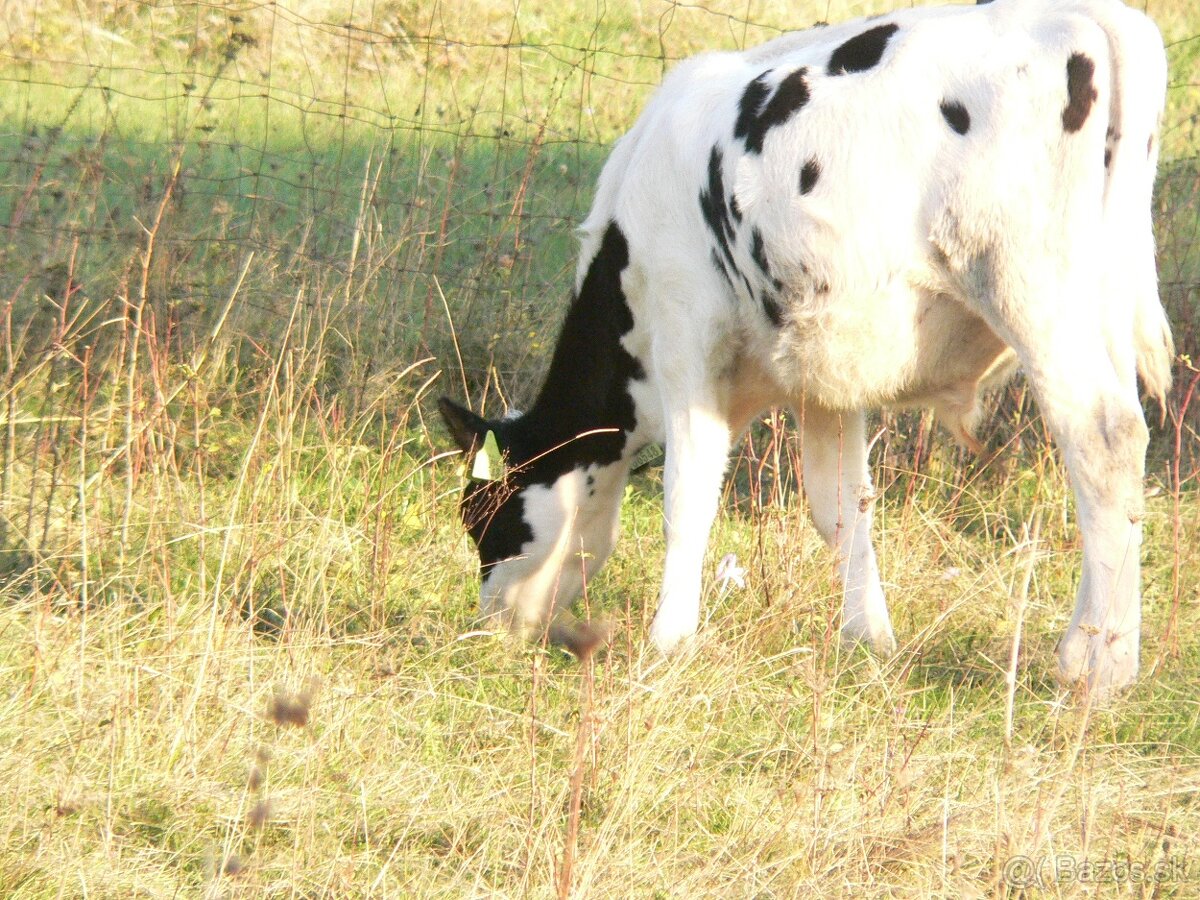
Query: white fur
(923, 266)
(575, 528)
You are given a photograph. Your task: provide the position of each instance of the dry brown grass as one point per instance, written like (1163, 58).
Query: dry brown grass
(238, 649)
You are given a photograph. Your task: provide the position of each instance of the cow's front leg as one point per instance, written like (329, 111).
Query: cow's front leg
(697, 445)
(840, 498)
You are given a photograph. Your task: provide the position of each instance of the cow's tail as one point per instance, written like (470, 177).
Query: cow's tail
(1139, 83)
(1155, 350)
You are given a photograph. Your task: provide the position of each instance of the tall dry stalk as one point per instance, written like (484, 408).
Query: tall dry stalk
(1030, 536)
(583, 738)
(1170, 640)
(10, 431)
(137, 315)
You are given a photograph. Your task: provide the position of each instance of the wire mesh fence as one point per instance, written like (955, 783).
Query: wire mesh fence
(410, 173)
(401, 155)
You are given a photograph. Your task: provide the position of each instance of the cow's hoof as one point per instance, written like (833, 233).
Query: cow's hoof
(581, 639)
(874, 635)
(1098, 660)
(669, 634)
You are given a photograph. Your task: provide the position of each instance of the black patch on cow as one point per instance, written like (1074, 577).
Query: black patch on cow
(748, 107)
(789, 98)
(1111, 138)
(809, 173)
(771, 308)
(956, 116)
(770, 303)
(494, 513)
(1081, 92)
(863, 51)
(715, 208)
(728, 271)
(981, 2)
(719, 265)
(756, 119)
(587, 385)
(758, 252)
(586, 390)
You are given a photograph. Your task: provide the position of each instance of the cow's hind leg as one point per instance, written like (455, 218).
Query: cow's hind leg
(840, 497)
(1103, 437)
(1091, 405)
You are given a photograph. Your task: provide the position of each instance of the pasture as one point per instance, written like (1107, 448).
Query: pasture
(245, 248)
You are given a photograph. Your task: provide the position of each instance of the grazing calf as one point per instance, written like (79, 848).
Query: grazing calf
(892, 212)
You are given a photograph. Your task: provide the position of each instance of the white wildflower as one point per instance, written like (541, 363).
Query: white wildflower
(730, 573)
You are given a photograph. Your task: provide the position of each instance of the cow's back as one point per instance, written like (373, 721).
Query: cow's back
(924, 155)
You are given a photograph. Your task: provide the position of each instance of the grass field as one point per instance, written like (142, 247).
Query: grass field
(244, 246)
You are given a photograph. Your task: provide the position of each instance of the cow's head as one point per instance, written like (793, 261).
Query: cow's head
(530, 516)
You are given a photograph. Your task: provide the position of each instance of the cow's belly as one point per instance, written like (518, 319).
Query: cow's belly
(899, 347)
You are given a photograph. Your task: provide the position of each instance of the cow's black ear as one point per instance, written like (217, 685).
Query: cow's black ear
(467, 429)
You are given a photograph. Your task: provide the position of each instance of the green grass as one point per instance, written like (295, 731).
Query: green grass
(244, 246)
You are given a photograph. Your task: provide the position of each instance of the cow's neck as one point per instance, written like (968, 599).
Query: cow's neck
(587, 387)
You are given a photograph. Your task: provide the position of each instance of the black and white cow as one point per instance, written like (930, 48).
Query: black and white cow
(891, 212)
